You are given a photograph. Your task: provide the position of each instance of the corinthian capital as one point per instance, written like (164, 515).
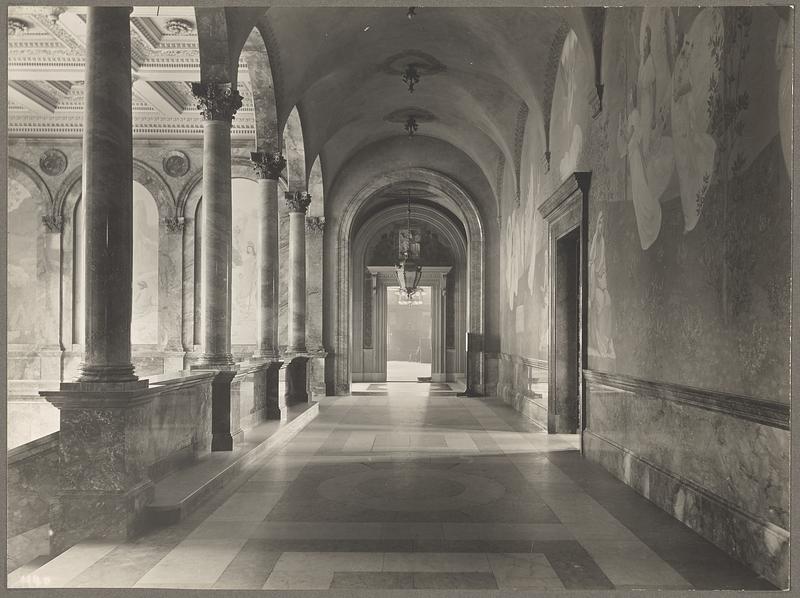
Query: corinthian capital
(298, 201)
(268, 165)
(217, 101)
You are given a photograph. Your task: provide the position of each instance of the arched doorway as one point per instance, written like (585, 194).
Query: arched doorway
(443, 254)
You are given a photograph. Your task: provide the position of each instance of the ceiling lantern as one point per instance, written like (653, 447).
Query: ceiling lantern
(409, 271)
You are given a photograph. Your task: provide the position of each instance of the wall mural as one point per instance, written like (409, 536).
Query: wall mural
(144, 315)
(244, 283)
(23, 237)
(524, 260)
(570, 118)
(690, 200)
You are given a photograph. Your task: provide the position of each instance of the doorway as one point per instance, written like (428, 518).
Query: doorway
(567, 332)
(408, 336)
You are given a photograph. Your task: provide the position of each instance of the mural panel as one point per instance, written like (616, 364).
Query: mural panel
(244, 284)
(144, 315)
(24, 224)
(689, 218)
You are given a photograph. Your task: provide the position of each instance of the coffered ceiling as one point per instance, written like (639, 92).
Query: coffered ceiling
(46, 54)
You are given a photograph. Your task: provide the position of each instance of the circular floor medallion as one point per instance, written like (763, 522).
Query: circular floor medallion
(390, 490)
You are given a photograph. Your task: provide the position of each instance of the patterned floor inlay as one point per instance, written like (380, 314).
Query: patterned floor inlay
(408, 487)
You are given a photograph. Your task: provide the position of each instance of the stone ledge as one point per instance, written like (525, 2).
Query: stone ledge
(179, 494)
(34, 447)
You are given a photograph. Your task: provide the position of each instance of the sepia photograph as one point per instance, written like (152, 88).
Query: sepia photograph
(362, 299)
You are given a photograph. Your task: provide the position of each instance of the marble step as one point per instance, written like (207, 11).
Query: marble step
(181, 493)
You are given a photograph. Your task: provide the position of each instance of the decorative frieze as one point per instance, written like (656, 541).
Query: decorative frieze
(268, 165)
(298, 201)
(217, 101)
(315, 224)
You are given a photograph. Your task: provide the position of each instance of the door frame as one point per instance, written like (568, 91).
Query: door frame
(564, 211)
(432, 276)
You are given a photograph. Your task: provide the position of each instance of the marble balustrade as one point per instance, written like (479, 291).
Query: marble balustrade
(720, 464)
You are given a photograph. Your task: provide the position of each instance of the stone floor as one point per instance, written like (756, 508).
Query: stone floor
(407, 486)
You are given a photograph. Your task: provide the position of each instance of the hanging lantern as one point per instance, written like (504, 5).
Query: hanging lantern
(409, 272)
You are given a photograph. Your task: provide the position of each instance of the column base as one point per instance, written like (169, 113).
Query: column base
(213, 361)
(276, 404)
(266, 355)
(225, 441)
(79, 516)
(107, 373)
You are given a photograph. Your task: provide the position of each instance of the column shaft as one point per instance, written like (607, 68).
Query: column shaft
(268, 167)
(108, 193)
(218, 103)
(298, 203)
(215, 261)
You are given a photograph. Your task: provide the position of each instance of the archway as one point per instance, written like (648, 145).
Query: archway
(448, 195)
(443, 253)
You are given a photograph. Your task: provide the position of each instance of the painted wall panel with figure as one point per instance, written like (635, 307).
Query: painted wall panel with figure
(690, 200)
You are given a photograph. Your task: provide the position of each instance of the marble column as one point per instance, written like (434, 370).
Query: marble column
(297, 202)
(108, 193)
(268, 167)
(103, 484)
(218, 103)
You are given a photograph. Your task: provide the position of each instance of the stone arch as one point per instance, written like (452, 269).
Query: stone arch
(152, 181)
(442, 222)
(262, 86)
(316, 189)
(338, 324)
(295, 153)
(33, 183)
(216, 63)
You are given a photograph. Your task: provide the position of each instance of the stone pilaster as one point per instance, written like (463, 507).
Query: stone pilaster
(297, 202)
(268, 167)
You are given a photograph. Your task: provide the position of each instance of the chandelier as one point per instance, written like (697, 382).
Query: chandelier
(409, 272)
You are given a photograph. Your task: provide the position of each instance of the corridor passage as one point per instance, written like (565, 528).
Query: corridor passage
(403, 486)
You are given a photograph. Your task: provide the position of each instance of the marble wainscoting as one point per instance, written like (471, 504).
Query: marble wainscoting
(522, 384)
(718, 463)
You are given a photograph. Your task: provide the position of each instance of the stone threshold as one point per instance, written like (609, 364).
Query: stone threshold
(181, 493)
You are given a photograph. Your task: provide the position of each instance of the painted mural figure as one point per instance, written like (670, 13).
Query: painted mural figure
(695, 149)
(601, 318)
(642, 136)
